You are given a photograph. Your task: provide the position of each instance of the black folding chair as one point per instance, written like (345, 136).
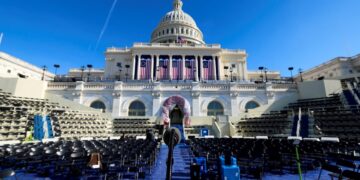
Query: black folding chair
(7, 173)
(346, 163)
(336, 170)
(352, 175)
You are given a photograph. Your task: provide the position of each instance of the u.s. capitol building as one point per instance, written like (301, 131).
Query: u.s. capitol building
(176, 70)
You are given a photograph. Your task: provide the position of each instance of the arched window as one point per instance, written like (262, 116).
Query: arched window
(98, 105)
(251, 105)
(137, 108)
(215, 108)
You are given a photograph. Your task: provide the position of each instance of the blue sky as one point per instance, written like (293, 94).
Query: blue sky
(275, 33)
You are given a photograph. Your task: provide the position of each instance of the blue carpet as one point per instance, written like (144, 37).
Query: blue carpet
(181, 167)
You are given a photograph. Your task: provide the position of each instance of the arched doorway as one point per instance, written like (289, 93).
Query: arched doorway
(137, 108)
(176, 116)
(98, 105)
(251, 105)
(215, 108)
(176, 113)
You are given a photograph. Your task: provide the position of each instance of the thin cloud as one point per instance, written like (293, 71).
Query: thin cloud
(106, 24)
(1, 37)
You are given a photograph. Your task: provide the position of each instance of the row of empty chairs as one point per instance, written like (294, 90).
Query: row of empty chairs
(340, 123)
(275, 155)
(274, 123)
(325, 117)
(17, 119)
(125, 158)
(332, 101)
(133, 127)
(74, 124)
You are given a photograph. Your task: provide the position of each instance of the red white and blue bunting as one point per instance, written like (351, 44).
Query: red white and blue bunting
(170, 104)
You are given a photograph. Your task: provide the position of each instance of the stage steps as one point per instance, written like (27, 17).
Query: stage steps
(182, 160)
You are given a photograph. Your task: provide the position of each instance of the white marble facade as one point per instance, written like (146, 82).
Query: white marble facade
(117, 96)
(140, 76)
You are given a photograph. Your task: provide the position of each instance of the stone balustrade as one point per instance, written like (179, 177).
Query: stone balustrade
(176, 45)
(181, 86)
(61, 85)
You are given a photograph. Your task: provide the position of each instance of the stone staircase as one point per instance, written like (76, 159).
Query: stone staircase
(181, 167)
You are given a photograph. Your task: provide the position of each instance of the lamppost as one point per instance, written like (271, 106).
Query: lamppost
(56, 66)
(127, 72)
(262, 68)
(231, 77)
(266, 78)
(120, 69)
(301, 77)
(291, 69)
(43, 73)
(89, 66)
(82, 69)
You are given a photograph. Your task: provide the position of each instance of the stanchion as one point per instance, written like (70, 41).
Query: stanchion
(296, 143)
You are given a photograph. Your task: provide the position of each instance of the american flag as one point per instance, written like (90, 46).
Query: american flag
(145, 66)
(163, 71)
(180, 40)
(176, 69)
(189, 69)
(208, 69)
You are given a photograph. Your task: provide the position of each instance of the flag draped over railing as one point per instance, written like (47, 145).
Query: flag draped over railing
(208, 69)
(163, 68)
(145, 67)
(189, 69)
(176, 69)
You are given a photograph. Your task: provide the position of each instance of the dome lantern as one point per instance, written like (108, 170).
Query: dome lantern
(177, 27)
(178, 5)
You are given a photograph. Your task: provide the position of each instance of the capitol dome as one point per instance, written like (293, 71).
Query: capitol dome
(177, 26)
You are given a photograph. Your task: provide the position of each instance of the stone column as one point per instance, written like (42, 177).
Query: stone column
(170, 67)
(221, 69)
(195, 103)
(133, 67)
(214, 67)
(138, 67)
(157, 67)
(156, 103)
(196, 69)
(201, 68)
(245, 71)
(242, 71)
(116, 104)
(234, 108)
(78, 93)
(183, 68)
(152, 68)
